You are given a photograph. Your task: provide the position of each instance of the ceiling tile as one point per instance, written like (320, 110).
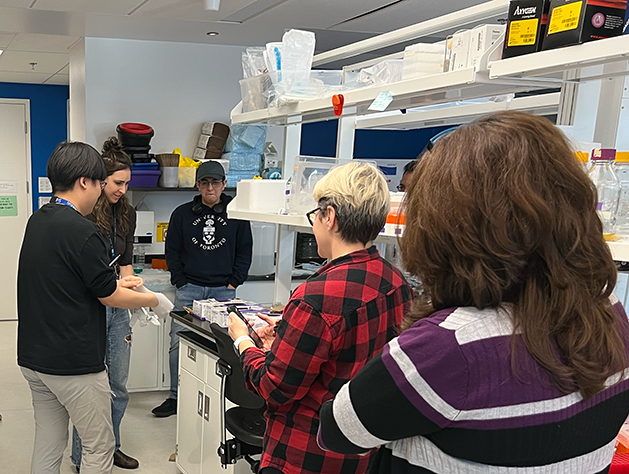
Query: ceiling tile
(191, 9)
(23, 77)
(115, 7)
(18, 61)
(289, 14)
(16, 3)
(405, 14)
(60, 79)
(5, 39)
(65, 70)
(38, 42)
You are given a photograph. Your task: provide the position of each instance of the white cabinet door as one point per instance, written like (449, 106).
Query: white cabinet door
(145, 365)
(190, 421)
(212, 435)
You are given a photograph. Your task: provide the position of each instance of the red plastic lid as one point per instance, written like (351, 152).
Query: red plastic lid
(620, 464)
(137, 128)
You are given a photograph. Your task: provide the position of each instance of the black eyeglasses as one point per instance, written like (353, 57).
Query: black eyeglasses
(401, 188)
(311, 215)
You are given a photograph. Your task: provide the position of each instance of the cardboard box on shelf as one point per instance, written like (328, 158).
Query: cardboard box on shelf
(460, 50)
(579, 21)
(483, 37)
(526, 27)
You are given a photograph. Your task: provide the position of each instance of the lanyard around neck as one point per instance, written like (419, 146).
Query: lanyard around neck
(65, 202)
(112, 237)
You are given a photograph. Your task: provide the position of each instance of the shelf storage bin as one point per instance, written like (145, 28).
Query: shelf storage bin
(307, 172)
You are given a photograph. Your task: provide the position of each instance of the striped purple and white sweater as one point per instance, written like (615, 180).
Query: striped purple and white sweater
(443, 398)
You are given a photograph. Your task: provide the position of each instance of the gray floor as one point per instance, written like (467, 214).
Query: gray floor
(150, 440)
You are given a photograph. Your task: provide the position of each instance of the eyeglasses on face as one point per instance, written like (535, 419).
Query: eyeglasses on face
(312, 215)
(205, 183)
(401, 188)
(103, 184)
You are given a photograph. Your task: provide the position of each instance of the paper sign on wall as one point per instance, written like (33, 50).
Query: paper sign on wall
(8, 206)
(42, 201)
(162, 230)
(8, 187)
(44, 185)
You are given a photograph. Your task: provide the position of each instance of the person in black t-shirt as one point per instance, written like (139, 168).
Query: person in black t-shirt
(116, 219)
(64, 279)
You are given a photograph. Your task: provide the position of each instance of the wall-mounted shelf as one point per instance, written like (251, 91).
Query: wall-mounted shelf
(545, 104)
(547, 65)
(173, 190)
(299, 223)
(435, 89)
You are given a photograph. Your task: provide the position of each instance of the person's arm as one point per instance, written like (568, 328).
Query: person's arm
(244, 250)
(174, 245)
(126, 271)
(286, 372)
(128, 299)
(421, 382)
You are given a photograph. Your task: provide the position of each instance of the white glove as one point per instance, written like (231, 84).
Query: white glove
(164, 307)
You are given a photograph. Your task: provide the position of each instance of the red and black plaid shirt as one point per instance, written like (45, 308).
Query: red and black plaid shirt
(334, 323)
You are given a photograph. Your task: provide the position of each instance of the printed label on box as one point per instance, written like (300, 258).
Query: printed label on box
(523, 32)
(162, 230)
(565, 18)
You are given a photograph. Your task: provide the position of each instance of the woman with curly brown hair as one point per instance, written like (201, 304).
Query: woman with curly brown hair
(516, 360)
(116, 219)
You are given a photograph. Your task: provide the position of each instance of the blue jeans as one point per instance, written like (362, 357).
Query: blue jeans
(117, 356)
(184, 297)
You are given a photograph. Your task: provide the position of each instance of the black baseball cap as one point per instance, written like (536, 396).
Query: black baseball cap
(210, 169)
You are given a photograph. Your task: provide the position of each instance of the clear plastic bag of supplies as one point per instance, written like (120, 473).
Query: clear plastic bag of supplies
(253, 63)
(384, 72)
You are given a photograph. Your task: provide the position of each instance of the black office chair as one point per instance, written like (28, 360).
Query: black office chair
(246, 421)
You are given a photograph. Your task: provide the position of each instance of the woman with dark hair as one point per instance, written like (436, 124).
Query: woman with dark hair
(116, 219)
(516, 359)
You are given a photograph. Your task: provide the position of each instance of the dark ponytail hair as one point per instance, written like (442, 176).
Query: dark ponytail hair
(115, 160)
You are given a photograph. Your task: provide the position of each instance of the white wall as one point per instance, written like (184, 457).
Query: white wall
(76, 124)
(173, 87)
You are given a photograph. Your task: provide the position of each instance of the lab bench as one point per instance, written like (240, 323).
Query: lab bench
(198, 401)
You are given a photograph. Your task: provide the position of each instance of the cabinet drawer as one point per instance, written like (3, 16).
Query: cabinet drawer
(192, 359)
(211, 379)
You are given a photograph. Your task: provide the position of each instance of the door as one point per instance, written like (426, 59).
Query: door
(190, 406)
(15, 196)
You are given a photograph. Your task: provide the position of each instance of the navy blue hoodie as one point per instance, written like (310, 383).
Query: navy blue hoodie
(206, 248)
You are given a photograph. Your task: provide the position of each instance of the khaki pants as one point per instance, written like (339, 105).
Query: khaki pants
(84, 399)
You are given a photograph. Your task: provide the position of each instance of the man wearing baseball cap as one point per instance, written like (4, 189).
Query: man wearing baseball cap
(208, 256)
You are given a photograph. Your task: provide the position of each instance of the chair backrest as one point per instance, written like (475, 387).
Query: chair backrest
(235, 389)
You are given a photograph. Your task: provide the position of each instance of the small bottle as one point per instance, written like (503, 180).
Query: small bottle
(621, 168)
(139, 255)
(607, 188)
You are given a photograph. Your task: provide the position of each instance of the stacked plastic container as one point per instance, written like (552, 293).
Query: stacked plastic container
(244, 149)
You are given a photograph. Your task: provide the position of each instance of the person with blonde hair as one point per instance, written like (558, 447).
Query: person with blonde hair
(334, 323)
(516, 359)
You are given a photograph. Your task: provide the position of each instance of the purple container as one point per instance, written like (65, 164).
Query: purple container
(144, 179)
